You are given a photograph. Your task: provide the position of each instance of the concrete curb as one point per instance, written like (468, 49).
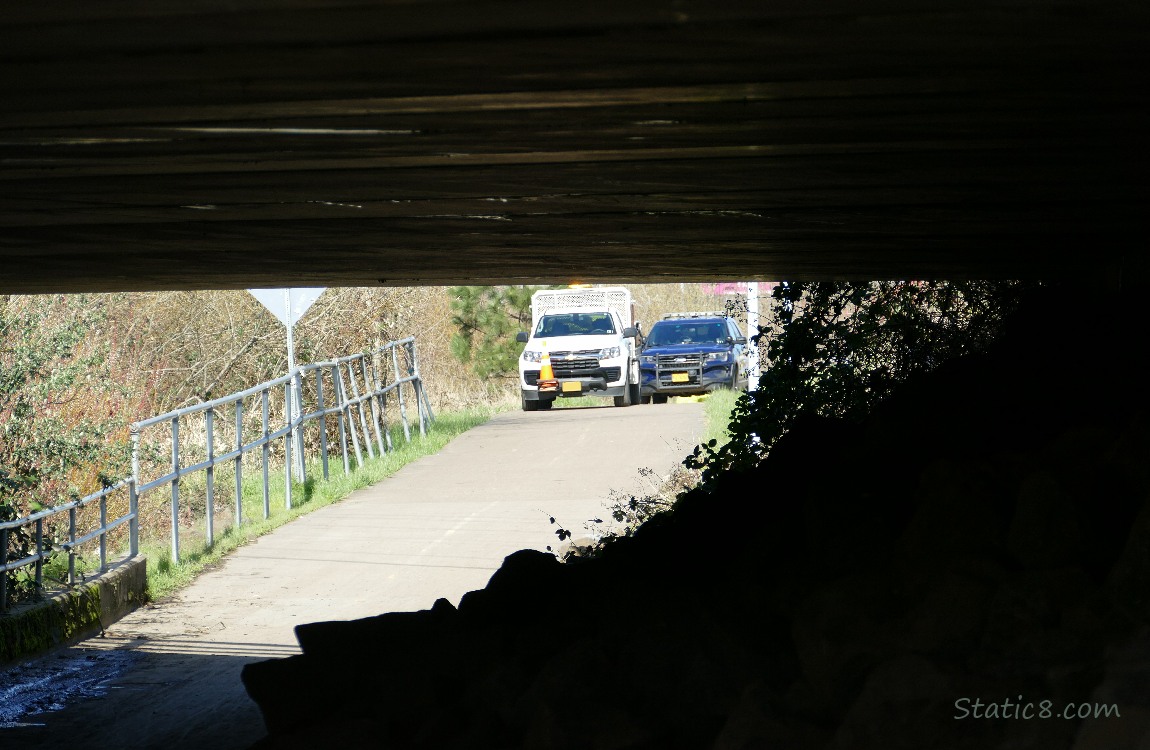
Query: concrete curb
(71, 616)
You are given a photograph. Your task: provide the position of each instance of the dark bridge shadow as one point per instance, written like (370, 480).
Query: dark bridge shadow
(134, 694)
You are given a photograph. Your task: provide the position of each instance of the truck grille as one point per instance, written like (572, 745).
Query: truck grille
(573, 368)
(609, 374)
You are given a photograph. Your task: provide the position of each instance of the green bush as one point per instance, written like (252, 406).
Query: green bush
(836, 349)
(59, 439)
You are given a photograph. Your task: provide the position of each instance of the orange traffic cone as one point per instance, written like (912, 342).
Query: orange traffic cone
(547, 381)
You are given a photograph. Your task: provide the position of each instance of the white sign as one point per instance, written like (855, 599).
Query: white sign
(289, 305)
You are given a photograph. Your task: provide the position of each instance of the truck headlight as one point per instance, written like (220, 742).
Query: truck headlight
(647, 359)
(609, 353)
(719, 357)
(532, 356)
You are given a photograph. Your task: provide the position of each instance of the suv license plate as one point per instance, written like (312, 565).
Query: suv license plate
(575, 387)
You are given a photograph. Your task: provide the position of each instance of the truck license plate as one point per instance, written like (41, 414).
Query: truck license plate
(575, 387)
(679, 377)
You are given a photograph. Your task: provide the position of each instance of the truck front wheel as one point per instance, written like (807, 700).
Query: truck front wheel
(630, 393)
(527, 403)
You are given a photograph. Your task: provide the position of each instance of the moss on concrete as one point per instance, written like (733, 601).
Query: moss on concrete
(69, 616)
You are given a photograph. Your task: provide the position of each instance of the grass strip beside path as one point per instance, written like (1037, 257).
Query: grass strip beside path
(717, 407)
(165, 577)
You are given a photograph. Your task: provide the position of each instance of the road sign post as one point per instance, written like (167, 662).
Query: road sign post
(289, 305)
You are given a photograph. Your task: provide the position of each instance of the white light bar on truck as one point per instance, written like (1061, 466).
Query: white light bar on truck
(711, 314)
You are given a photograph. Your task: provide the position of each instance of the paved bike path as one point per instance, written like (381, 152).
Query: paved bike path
(437, 528)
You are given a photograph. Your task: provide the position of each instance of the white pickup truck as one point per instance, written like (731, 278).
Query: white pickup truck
(589, 336)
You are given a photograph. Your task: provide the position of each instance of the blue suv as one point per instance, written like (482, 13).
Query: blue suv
(688, 354)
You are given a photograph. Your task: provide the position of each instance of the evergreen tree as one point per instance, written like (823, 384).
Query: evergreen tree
(487, 319)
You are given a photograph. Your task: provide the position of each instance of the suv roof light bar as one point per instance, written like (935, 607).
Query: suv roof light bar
(711, 314)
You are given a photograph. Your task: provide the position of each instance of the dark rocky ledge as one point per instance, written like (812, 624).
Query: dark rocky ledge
(984, 535)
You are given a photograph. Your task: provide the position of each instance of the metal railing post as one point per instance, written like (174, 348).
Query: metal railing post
(337, 387)
(362, 411)
(266, 448)
(322, 420)
(176, 490)
(134, 521)
(301, 464)
(39, 555)
(345, 403)
(134, 498)
(370, 385)
(71, 548)
(382, 373)
(209, 510)
(238, 410)
(399, 392)
(3, 573)
(422, 389)
(413, 370)
(104, 533)
(287, 447)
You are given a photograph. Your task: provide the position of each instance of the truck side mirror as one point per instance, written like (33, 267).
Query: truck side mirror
(521, 337)
(630, 332)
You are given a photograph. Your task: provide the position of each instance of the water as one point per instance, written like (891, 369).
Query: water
(51, 682)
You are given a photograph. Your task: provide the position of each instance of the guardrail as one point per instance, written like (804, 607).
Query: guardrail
(351, 392)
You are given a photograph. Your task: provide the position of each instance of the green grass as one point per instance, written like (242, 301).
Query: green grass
(166, 577)
(574, 402)
(717, 408)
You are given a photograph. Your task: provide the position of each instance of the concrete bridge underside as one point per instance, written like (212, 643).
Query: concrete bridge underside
(239, 143)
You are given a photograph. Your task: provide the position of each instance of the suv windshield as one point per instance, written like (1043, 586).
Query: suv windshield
(669, 333)
(575, 324)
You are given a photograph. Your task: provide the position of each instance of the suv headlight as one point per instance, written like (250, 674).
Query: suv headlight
(609, 353)
(530, 355)
(718, 356)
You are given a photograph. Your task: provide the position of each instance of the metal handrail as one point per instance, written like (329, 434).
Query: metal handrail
(361, 368)
(367, 406)
(43, 552)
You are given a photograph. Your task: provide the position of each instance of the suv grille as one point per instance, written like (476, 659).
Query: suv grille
(671, 361)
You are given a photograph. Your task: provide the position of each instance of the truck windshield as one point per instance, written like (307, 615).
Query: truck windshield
(669, 334)
(575, 324)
